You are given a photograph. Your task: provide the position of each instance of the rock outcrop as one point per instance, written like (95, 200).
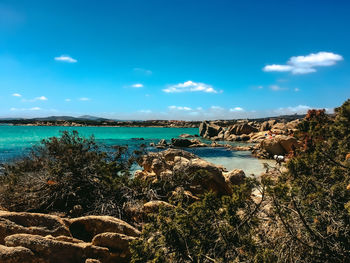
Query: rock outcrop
(209, 130)
(41, 238)
(279, 145)
(170, 163)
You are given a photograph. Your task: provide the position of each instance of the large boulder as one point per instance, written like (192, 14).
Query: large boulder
(31, 223)
(279, 144)
(118, 245)
(267, 125)
(16, 255)
(210, 179)
(178, 162)
(239, 129)
(235, 177)
(209, 130)
(85, 228)
(181, 142)
(53, 251)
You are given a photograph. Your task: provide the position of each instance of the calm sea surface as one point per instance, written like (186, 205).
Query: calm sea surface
(15, 141)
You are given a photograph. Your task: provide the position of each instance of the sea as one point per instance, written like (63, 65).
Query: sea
(16, 142)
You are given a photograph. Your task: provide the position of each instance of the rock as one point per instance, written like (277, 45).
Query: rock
(239, 129)
(16, 255)
(53, 251)
(176, 162)
(235, 177)
(162, 142)
(279, 144)
(118, 244)
(85, 228)
(212, 178)
(181, 142)
(153, 206)
(267, 125)
(208, 130)
(31, 223)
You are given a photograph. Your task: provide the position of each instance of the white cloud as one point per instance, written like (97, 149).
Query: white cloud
(67, 100)
(190, 86)
(237, 109)
(84, 99)
(296, 89)
(279, 68)
(26, 109)
(65, 58)
(179, 108)
(137, 85)
(16, 95)
(40, 98)
(306, 64)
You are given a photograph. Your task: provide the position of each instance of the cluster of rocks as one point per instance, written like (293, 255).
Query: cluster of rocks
(167, 164)
(271, 137)
(183, 142)
(42, 238)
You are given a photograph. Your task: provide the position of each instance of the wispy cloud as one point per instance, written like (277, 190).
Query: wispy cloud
(143, 71)
(67, 100)
(41, 98)
(16, 95)
(306, 64)
(137, 85)
(26, 109)
(236, 109)
(190, 86)
(179, 108)
(84, 99)
(65, 58)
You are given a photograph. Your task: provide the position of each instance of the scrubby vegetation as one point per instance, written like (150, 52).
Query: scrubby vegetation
(299, 215)
(68, 174)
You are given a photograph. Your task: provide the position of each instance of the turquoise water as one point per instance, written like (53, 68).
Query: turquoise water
(15, 141)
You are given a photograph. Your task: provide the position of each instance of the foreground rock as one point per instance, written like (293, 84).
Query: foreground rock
(173, 163)
(16, 255)
(40, 238)
(31, 223)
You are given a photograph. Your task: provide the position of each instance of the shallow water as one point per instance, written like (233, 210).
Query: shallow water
(16, 141)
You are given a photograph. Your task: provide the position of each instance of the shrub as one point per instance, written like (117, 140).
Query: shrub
(67, 174)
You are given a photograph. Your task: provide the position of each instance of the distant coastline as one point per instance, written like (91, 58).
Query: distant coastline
(84, 121)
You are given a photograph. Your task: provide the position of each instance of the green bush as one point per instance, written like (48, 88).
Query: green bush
(68, 174)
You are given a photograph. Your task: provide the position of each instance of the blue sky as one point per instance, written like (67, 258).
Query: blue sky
(174, 59)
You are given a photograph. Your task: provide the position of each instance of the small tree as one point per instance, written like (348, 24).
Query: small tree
(310, 220)
(67, 172)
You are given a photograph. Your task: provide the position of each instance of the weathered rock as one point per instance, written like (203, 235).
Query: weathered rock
(118, 245)
(235, 177)
(31, 223)
(85, 228)
(16, 255)
(240, 128)
(181, 142)
(162, 142)
(53, 251)
(279, 144)
(267, 125)
(211, 179)
(208, 130)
